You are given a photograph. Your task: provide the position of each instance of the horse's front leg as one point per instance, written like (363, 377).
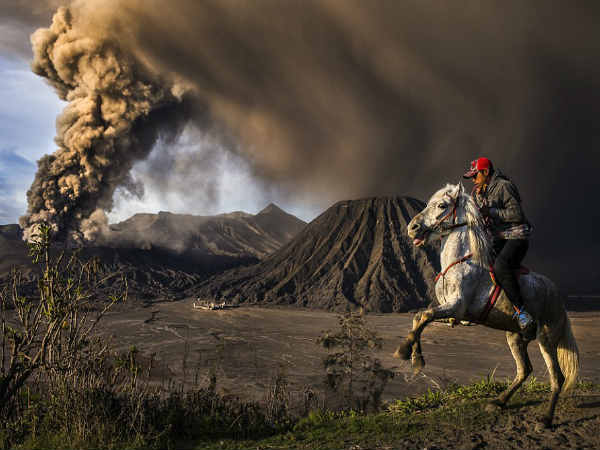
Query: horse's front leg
(416, 356)
(412, 343)
(411, 347)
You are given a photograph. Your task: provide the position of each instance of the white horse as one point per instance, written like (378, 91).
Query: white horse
(464, 286)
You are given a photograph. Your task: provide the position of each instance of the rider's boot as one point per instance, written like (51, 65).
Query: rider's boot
(524, 319)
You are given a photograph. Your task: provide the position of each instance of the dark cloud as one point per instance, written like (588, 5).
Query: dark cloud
(20, 18)
(349, 99)
(343, 99)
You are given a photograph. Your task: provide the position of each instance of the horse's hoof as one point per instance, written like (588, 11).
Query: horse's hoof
(403, 351)
(494, 406)
(545, 423)
(417, 363)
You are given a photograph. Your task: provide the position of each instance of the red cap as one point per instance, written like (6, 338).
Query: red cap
(477, 165)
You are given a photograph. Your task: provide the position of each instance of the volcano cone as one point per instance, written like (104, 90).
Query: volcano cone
(356, 254)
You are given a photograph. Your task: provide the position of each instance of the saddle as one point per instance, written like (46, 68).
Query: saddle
(497, 289)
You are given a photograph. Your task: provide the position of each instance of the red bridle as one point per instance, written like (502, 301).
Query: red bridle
(451, 213)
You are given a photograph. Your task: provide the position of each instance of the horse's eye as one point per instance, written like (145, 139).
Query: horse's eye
(442, 206)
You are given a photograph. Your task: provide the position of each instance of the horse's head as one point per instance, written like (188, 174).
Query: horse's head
(440, 211)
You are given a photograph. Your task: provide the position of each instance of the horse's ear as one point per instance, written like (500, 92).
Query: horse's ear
(461, 188)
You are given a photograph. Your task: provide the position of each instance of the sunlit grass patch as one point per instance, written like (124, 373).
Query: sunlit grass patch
(487, 387)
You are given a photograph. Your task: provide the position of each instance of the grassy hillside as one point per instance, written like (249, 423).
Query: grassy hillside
(455, 418)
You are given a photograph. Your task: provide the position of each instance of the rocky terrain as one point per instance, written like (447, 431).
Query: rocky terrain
(355, 254)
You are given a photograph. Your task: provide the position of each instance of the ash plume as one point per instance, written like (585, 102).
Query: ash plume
(339, 99)
(116, 111)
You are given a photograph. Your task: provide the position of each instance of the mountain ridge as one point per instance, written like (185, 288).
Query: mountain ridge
(230, 234)
(163, 254)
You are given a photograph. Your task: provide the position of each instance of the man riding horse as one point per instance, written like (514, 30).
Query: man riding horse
(463, 286)
(500, 203)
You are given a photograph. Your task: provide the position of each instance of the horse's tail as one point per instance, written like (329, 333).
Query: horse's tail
(568, 355)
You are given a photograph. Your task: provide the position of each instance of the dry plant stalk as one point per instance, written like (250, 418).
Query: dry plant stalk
(52, 332)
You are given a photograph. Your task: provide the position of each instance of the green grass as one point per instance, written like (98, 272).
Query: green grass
(455, 411)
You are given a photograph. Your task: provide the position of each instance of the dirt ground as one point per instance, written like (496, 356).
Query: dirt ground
(247, 346)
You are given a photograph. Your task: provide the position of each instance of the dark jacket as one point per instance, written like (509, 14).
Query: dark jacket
(504, 202)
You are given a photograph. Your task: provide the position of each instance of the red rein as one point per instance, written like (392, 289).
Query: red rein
(461, 260)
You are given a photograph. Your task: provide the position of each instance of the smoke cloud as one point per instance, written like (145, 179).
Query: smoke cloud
(336, 99)
(18, 19)
(114, 115)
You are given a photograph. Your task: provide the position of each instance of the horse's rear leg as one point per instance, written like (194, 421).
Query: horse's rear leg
(518, 348)
(549, 352)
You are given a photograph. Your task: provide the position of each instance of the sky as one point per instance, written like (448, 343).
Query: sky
(221, 105)
(28, 111)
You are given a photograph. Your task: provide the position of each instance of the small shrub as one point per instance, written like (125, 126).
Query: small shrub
(351, 368)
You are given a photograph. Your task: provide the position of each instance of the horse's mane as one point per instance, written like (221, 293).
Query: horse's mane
(479, 236)
(480, 239)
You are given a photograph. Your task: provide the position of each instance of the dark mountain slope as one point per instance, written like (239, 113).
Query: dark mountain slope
(355, 254)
